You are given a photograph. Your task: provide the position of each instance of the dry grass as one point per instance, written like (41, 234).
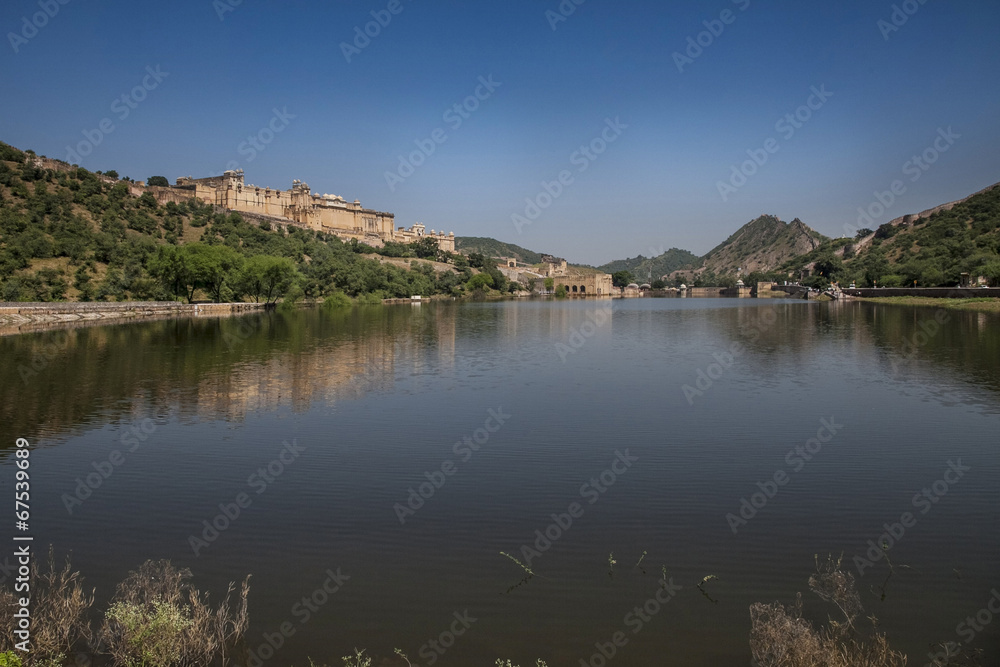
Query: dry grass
(59, 606)
(780, 637)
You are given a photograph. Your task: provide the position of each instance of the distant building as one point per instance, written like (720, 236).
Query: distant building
(298, 206)
(554, 266)
(595, 284)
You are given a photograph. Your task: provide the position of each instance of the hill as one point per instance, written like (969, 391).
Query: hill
(932, 248)
(762, 245)
(70, 234)
(645, 267)
(493, 248)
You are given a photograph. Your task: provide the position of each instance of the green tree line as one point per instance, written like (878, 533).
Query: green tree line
(69, 233)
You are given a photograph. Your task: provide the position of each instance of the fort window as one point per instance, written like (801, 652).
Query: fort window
(583, 288)
(574, 288)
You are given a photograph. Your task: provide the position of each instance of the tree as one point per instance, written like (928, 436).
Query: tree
(886, 231)
(477, 260)
(728, 281)
(622, 278)
(186, 269)
(991, 271)
(426, 248)
(658, 284)
(159, 181)
(111, 173)
(212, 267)
(863, 232)
(874, 265)
(816, 282)
(170, 265)
(265, 278)
(550, 284)
(828, 265)
(147, 200)
(499, 279)
(480, 281)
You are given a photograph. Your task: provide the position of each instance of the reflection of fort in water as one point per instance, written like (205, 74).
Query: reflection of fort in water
(336, 370)
(190, 368)
(226, 368)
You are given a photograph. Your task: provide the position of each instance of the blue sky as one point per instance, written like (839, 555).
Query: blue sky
(277, 72)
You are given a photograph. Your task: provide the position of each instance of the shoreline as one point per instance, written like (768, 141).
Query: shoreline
(20, 318)
(981, 304)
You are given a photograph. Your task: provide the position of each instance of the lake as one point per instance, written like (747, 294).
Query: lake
(368, 466)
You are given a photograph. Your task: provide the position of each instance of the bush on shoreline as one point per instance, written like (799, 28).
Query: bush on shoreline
(156, 619)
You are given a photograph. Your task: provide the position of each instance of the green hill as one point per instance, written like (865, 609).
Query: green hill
(932, 248)
(70, 234)
(493, 248)
(644, 267)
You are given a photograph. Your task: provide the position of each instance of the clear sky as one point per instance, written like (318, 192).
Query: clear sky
(661, 130)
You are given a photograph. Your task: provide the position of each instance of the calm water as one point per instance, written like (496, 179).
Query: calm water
(376, 401)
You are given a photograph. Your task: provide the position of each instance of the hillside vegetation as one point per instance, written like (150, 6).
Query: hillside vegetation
(645, 267)
(493, 248)
(931, 251)
(70, 234)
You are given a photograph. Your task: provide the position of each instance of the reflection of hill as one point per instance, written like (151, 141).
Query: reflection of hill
(905, 342)
(212, 368)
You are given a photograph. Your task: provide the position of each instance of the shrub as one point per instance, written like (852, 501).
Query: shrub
(158, 620)
(780, 637)
(150, 635)
(891, 280)
(337, 300)
(10, 659)
(480, 281)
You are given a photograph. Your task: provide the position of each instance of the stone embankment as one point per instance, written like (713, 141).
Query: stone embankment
(20, 317)
(934, 292)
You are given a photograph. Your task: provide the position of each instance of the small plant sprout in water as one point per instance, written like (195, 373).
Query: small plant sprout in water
(611, 564)
(402, 655)
(638, 563)
(519, 563)
(663, 573)
(701, 588)
(892, 570)
(359, 659)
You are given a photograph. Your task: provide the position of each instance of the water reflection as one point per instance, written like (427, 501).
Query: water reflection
(378, 396)
(65, 380)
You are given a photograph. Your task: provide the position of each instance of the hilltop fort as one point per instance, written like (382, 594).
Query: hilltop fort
(297, 206)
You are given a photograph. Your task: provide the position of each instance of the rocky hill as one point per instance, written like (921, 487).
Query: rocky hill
(763, 244)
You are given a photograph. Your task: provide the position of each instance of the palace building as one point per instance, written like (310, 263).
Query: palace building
(299, 206)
